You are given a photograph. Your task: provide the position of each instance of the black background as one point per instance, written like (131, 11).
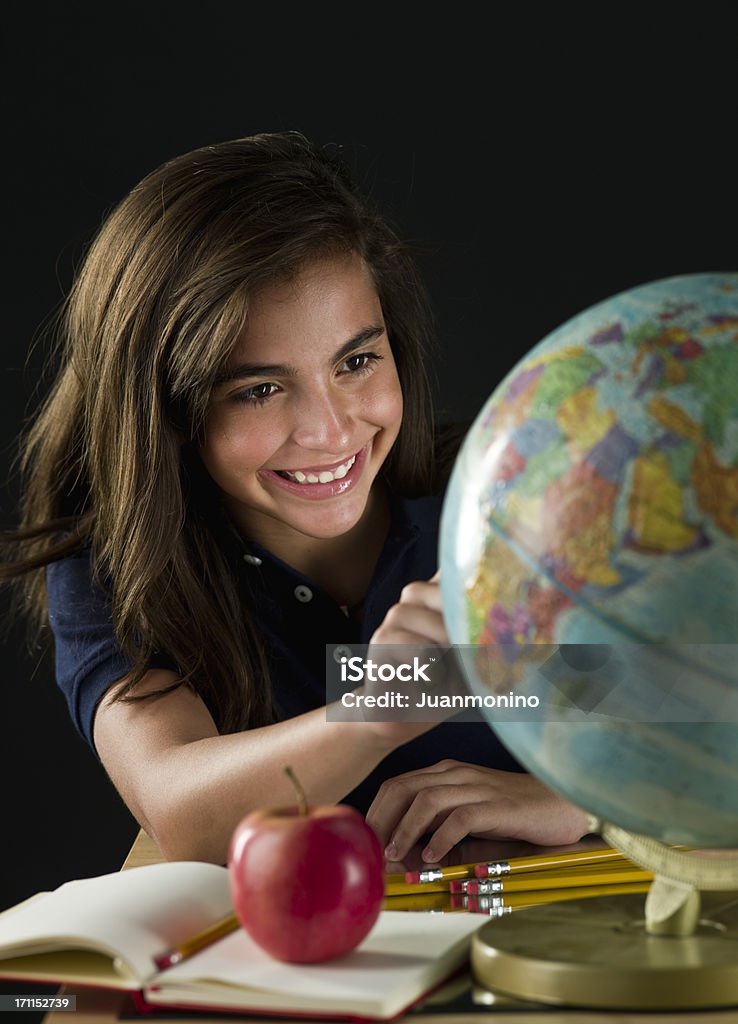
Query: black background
(541, 165)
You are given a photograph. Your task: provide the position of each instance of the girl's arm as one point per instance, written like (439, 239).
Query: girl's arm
(188, 786)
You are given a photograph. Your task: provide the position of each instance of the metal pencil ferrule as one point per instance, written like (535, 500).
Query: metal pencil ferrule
(481, 886)
(431, 875)
(500, 867)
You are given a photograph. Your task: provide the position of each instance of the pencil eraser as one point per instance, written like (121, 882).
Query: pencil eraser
(472, 888)
(412, 877)
(481, 870)
(455, 885)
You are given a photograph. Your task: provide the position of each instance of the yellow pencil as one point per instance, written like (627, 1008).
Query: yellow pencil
(546, 861)
(571, 874)
(422, 901)
(204, 938)
(448, 902)
(563, 878)
(520, 900)
(430, 875)
(536, 862)
(413, 889)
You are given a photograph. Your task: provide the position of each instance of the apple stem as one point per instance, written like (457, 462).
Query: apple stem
(301, 798)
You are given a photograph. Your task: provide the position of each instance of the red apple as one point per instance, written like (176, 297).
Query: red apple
(307, 882)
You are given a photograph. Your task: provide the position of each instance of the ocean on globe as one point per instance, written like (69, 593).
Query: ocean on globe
(589, 559)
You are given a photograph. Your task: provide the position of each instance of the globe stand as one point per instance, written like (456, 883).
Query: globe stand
(679, 951)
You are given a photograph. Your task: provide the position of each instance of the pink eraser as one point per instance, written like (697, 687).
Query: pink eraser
(480, 870)
(455, 886)
(412, 876)
(472, 888)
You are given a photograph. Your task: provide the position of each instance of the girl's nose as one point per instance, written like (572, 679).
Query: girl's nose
(323, 424)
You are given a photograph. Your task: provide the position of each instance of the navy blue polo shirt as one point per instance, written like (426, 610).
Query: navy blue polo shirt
(296, 619)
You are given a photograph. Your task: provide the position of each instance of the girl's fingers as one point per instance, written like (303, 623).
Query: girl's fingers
(396, 796)
(453, 800)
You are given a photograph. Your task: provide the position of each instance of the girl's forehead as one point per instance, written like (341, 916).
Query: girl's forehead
(325, 304)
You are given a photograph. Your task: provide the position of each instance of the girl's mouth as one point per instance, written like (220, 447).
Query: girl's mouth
(319, 482)
(318, 475)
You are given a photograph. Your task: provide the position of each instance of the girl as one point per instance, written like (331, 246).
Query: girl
(234, 468)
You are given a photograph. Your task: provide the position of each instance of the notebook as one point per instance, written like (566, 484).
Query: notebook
(106, 931)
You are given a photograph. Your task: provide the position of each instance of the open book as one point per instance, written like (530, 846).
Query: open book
(106, 931)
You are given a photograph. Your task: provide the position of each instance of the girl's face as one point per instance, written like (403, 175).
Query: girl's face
(308, 410)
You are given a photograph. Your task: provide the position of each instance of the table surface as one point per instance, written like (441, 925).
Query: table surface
(102, 1007)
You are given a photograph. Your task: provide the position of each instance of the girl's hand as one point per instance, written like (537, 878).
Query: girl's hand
(411, 628)
(453, 800)
(417, 618)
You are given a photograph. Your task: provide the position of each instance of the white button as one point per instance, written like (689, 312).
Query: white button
(252, 559)
(303, 593)
(342, 651)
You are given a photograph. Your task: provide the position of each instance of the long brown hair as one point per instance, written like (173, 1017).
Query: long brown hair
(151, 319)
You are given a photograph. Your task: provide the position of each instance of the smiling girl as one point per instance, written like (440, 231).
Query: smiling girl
(235, 467)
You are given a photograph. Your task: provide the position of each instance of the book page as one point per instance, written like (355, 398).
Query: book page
(403, 956)
(77, 967)
(131, 915)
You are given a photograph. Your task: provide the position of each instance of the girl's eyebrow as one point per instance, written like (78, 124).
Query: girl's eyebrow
(245, 370)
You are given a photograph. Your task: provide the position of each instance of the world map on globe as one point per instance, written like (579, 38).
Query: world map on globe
(595, 502)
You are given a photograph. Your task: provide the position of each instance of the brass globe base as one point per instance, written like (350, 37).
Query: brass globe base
(596, 953)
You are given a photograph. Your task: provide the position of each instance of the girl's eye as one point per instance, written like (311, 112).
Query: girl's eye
(256, 395)
(362, 362)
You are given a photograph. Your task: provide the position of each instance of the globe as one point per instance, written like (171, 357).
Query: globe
(589, 560)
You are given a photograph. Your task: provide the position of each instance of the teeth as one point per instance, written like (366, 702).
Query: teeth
(323, 478)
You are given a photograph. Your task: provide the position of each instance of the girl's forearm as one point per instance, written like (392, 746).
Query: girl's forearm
(206, 786)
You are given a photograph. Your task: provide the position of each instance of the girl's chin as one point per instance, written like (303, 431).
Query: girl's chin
(324, 526)
(272, 524)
